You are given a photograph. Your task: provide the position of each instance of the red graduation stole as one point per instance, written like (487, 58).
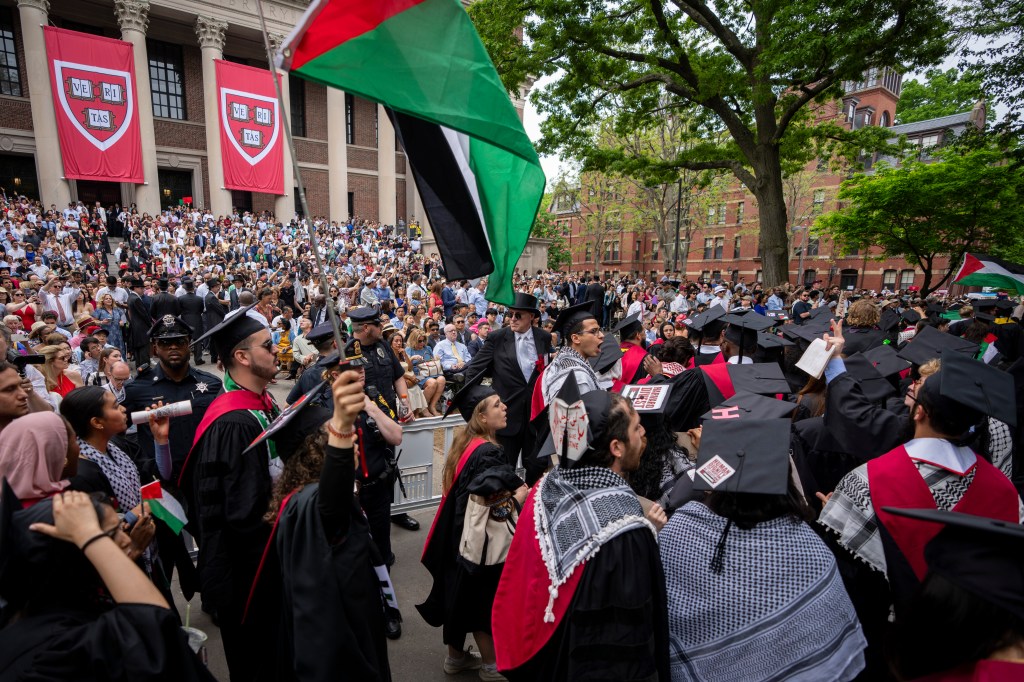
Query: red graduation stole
(894, 481)
(463, 458)
(517, 620)
(632, 357)
(537, 397)
(718, 372)
(221, 405)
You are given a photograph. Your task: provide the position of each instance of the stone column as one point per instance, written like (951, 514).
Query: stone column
(386, 204)
(210, 33)
(337, 155)
(53, 188)
(284, 205)
(133, 17)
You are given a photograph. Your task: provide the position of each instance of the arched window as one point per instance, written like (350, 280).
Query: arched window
(884, 120)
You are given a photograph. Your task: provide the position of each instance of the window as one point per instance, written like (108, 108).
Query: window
(889, 280)
(906, 279)
(740, 207)
(297, 105)
(884, 120)
(704, 275)
(819, 200)
(809, 277)
(636, 249)
(10, 77)
(758, 275)
(711, 215)
(350, 119)
(716, 275)
(588, 254)
(735, 276)
(611, 251)
(654, 249)
(721, 214)
(813, 244)
(929, 141)
(166, 79)
(719, 247)
(709, 248)
(736, 246)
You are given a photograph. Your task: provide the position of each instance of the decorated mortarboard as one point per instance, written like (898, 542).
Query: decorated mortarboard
(930, 343)
(763, 378)
(744, 456)
(977, 386)
(777, 315)
(885, 359)
(576, 420)
(167, 327)
(569, 317)
(236, 327)
(978, 554)
(629, 326)
(647, 397)
(469, 396)
(875, 387)
(768, 341)
(746, 405)
(609, 354)
(294, 423)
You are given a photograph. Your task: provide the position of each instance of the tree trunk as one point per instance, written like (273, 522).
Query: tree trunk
(772, 218)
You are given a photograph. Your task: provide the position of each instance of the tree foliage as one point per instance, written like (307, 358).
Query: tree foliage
(749, 72)
(942, 93)
(545, 227)
(919, 211)
(994, 33)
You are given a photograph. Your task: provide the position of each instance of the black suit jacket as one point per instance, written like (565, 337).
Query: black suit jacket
(497, 359)
(139, 319)
(165, 303)
(192, 312)
(595, 293)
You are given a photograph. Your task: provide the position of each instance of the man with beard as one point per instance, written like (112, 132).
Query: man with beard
(13, 396)
(228, 493)
(584, 529)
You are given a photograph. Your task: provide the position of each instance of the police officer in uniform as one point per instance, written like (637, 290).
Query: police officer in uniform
(172, 380)
(385, 374)
(322, 338)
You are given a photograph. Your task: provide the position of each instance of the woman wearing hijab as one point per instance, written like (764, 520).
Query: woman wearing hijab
(33, 455)
(76, 607)
(462, 596)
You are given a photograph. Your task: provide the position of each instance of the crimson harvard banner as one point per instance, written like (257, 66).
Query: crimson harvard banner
(93, 83)
(251, 142)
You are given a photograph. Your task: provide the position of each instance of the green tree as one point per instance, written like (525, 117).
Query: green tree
(994, 39)
(941, 93)
(750, 71)
(545, 227)
(921, 212)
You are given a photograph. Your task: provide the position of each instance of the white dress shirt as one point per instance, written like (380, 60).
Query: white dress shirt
(526, 353)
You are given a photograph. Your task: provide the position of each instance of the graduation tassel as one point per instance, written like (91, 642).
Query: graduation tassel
(718, 560)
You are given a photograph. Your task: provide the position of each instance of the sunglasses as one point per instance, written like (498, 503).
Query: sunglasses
(65, 358)
(171, 343)
(516, 315)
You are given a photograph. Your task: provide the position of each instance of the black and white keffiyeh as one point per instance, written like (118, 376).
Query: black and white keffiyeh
(119, 470)
(567, 360)
(778, 610)
(576, 512)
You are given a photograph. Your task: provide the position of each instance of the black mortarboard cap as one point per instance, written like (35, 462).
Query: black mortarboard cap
(292, 426)
(568, 317)
(978, 554)
(701, 321)
(744, 456)
(629, 326)
(743, 328)
(983, 303)
(170, 327)
(469, 396)
(821, 313)
(910, 316)
(1005, 305)
(875, 387)
(768, 341)
(930, 343)
(803, 334)
(979, 386)
(609, 354)
(751, 406)
(235, 328)
(763, 378)
(889, 320)
(885, 359)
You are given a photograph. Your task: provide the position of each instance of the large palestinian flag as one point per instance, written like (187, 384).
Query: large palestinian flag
(476, 170)
(979, 270)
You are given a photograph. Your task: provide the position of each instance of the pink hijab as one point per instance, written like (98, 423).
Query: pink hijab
(33, 450)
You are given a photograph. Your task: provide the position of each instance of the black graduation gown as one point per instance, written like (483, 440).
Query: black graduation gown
(228, 495)
(860, 339)
(332, 620)
(130, 642)
(616, 627)
(461, 598)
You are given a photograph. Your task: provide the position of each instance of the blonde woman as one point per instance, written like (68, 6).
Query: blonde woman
(60, 379)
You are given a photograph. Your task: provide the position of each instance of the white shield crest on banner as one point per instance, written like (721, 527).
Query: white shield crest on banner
(99, 102)
(252, 122)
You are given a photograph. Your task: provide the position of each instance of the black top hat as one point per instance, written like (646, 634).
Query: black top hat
(527, 302)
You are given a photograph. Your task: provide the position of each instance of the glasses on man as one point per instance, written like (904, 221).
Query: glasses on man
(267, 345)
(596, 331)
(516, 315)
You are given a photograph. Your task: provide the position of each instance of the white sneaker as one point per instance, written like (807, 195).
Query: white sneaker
(490, 673)
(470, 661)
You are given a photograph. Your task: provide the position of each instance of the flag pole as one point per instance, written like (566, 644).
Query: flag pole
(313, 241)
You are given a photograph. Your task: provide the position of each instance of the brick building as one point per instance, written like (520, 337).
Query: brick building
(724, 237)
(345, 145)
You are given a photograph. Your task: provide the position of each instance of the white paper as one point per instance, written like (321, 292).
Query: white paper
(815, 358)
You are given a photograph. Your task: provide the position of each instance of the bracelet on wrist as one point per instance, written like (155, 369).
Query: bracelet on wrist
(94, 538)
(340, 434)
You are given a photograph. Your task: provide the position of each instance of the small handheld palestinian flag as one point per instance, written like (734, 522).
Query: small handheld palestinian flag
(164, 507)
